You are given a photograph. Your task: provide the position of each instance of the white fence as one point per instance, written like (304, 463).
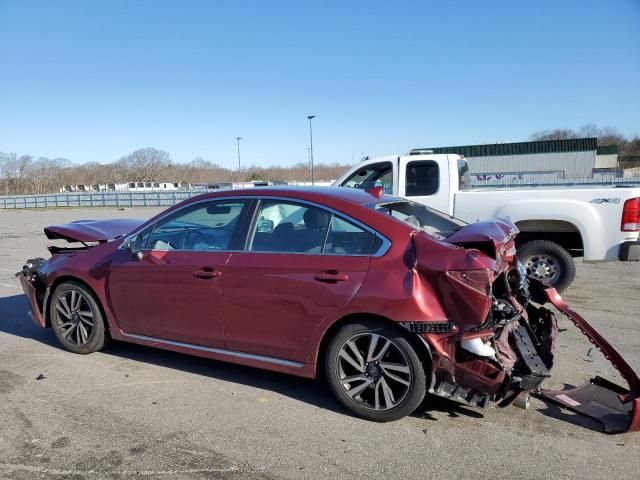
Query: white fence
(98, 199)
(165, 199)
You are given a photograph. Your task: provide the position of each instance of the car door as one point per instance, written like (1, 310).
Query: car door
(172, 289)
(302, 265)
(426, 181)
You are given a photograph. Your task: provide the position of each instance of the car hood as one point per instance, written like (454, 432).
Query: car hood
(92, 230)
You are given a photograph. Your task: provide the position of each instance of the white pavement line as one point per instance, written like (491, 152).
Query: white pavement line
(14, 467)
(7, 285)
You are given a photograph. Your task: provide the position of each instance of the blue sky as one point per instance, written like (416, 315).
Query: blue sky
(93, 81)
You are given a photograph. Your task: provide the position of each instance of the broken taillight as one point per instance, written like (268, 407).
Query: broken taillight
(631, 215)
(479, 280)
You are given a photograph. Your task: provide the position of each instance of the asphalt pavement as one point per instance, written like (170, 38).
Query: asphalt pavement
(133, 411)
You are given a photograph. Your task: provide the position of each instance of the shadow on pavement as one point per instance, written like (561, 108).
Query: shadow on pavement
(14, 320)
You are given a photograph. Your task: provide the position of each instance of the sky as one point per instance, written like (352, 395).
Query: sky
(95, 80)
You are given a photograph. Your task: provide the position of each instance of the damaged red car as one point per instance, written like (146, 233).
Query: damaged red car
(390, 300)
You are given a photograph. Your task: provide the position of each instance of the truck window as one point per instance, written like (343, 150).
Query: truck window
(464, 176)
(375, 175)
(422, 178)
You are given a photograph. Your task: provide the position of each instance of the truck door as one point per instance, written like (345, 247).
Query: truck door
(426, 179)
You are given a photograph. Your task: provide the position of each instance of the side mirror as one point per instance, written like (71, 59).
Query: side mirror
(133, 243)
(265, 226)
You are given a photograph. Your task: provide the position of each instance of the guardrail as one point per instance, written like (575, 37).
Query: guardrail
(98, 199)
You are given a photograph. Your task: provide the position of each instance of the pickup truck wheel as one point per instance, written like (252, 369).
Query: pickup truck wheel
(548, 262)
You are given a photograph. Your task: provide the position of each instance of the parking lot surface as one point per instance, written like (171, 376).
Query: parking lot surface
(133, 411)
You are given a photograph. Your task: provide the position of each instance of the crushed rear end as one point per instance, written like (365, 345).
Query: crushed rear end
(500, 341)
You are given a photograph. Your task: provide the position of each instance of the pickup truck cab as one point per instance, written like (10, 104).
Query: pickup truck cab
(556, 224)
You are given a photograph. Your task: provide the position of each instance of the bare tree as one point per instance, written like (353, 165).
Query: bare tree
(146, 164)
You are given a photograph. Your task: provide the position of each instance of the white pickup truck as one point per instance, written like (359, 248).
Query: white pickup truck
(557, 224)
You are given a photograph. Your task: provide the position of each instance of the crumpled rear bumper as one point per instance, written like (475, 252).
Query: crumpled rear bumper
(615, 407)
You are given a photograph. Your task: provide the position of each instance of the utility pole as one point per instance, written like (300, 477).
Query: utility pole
(239, 167)
(311, 117)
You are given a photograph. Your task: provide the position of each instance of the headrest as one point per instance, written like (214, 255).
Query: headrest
(316, 219)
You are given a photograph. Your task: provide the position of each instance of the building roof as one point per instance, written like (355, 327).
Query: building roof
(524, 148)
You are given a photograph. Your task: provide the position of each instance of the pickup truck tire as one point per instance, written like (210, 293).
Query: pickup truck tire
(548, 262)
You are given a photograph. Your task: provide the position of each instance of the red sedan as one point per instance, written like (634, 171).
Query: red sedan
(388, 298)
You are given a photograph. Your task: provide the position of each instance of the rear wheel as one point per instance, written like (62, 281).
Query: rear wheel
(548, 262)
(76, 318)
(374, 371)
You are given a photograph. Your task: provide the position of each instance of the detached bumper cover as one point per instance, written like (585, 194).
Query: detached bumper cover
(30, 292)
(616, 408)
(629, 252)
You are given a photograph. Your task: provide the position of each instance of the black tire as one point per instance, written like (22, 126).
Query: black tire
(540, 255)
(400, 352)
(76, 330)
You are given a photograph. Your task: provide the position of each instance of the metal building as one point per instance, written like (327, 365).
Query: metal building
(550, 159)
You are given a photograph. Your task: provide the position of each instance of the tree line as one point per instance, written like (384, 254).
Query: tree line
(25, 174)
(627, 147)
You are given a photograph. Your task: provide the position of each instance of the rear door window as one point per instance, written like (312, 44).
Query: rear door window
(291, 227)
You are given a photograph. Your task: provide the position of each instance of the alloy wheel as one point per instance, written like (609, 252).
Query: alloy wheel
(373, 371)
(75, 317)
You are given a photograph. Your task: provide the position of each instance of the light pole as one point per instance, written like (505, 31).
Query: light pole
(311, 117)
(239, 168)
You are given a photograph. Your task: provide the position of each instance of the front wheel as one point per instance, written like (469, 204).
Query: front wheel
(374, 371)
(76, 318)
(548, 262)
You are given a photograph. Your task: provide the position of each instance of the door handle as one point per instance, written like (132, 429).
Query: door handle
(331, 276)
(207, 272)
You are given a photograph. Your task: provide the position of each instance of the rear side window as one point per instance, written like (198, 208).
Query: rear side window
(346, 238)
(422, 178)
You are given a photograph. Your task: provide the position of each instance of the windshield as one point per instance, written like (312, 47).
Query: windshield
(376, 175)
(433, 222)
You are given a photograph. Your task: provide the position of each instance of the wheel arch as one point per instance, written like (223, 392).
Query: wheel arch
(563, 232)
(421, 347)
(70, 278)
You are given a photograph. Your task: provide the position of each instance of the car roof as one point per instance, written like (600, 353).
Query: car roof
(315, 193)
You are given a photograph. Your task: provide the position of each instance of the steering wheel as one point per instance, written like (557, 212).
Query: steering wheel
(193, 237)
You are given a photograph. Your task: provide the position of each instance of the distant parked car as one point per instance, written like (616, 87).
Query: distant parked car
(389, 298)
